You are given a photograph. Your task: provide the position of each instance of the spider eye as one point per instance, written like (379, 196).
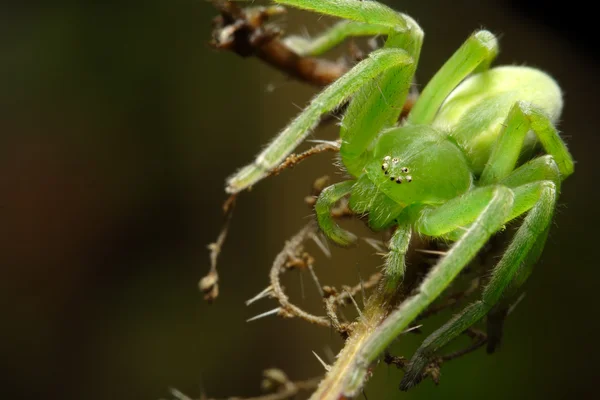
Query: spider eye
(395, 160)
(404, 169)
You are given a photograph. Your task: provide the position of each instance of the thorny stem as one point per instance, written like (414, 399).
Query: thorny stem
(334, 384)
(279, 266)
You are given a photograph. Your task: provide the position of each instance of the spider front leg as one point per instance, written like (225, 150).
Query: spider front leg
(391, 67)
(334, 95)
(508, 275)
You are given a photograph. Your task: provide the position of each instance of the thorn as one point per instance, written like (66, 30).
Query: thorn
(261, 295)
(376, 244)
(265, 314)
(515, 304)
(323, 363)
(316, 279)
(436, 252)
(360, 314)
(178, 395)
(412, 328)
(332, 143)
(323, 246)
(362, 286)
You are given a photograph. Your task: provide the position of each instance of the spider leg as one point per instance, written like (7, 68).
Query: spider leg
(335, 94)
(394, 262)
(543, 168)
(485, 209)
(476, 54)
(497, 315)
(522, 118)
(327, 199)
(508, 275)
(379, 101)
(332, 37)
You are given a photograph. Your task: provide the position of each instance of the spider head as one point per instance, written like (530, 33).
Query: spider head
(418, 165)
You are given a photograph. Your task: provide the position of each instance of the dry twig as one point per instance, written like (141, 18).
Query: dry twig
(244, 31)
(294, 159)
(281, 264)
(209, 285)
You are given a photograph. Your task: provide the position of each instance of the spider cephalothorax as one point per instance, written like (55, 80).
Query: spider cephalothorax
(455, 168)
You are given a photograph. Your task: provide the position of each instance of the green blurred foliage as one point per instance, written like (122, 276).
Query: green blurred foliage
(118, 126)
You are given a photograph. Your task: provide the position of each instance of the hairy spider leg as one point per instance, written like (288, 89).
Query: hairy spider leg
(334, 95)
(496, 316)
(327, 199)
(485, 209)
(395, 258)
(475, 55)
(539, 198)
(403, 33)
(522, 118)
(543, 168)
(378, 104)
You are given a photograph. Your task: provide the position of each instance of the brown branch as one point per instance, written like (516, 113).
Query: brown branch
(243, 31)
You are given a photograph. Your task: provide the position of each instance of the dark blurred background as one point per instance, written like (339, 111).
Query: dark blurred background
(118, 127)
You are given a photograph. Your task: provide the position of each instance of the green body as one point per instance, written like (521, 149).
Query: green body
(445, 159)
(456, 168)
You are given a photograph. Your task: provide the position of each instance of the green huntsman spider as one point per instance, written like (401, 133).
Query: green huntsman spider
(453, 169)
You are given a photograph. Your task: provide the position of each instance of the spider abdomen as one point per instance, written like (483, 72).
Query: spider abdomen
(475, 111)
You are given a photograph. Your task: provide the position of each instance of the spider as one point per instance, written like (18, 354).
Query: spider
(456, 168)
